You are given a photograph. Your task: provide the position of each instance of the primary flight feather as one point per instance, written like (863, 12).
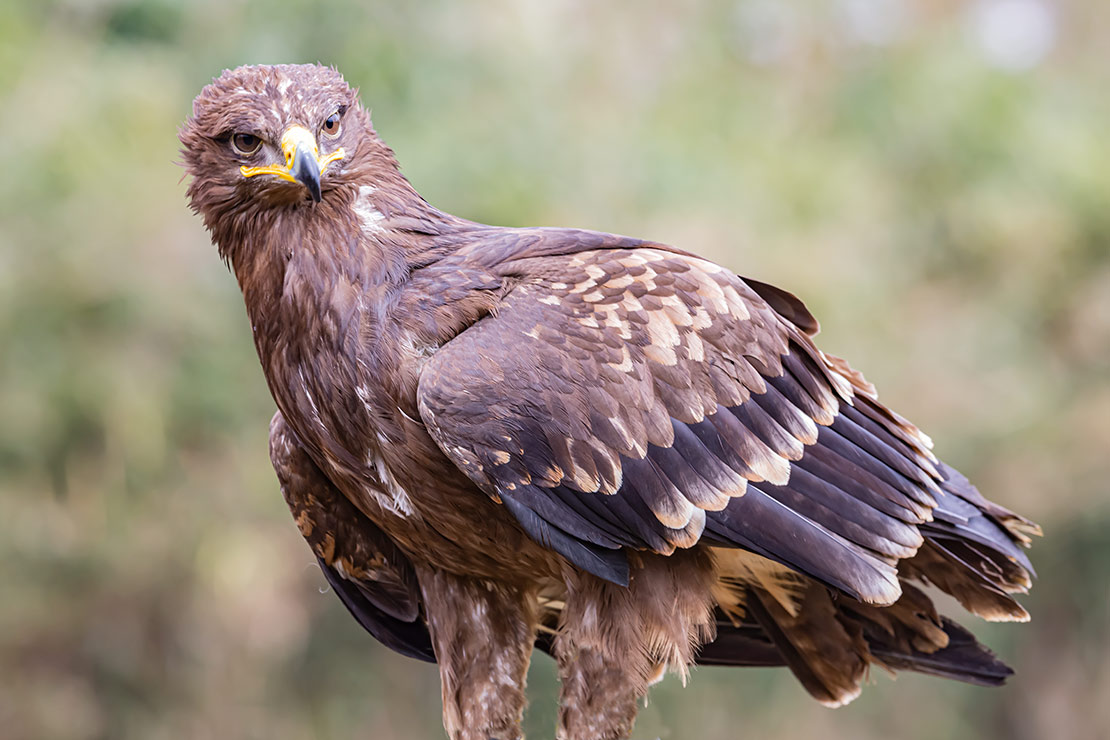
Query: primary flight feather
(495, 439)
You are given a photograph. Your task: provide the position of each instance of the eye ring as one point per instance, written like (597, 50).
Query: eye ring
(246, 144)
(331, 125)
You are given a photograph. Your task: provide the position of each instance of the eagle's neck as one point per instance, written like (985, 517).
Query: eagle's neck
(324, 280)
(366, 237)
(329, 292)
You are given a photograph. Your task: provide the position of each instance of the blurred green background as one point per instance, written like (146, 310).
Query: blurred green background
(933, 178)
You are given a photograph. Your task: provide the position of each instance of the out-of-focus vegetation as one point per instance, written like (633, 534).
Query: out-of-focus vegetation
(933, 178)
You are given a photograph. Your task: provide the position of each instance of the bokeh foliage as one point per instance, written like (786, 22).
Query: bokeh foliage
(947, 218)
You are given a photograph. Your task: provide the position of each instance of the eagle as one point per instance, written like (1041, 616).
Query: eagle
(502, 439)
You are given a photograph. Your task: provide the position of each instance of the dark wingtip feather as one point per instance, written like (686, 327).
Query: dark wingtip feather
(759, 523)
(407, 638)
(610, 565)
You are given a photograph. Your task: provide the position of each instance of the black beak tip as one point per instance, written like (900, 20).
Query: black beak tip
(314, 192)
(307, 173)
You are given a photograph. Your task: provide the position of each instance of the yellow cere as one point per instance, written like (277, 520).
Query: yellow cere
(294, 138)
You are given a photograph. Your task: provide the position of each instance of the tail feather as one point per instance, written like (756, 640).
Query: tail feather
(832, 643)
(963, 659)
(827, 656)
(740, 645)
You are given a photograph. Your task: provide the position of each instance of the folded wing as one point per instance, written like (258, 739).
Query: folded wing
(369, 573)
(647, 399)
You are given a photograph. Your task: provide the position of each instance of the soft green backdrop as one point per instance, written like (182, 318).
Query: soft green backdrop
(932, 177)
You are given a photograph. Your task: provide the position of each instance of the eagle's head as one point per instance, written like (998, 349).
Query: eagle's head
(276, 139)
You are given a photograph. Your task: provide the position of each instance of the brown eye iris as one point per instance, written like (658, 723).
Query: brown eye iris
(246, 144)
(331, 126)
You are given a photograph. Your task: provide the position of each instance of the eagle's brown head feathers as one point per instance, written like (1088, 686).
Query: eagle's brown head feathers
(270, 142)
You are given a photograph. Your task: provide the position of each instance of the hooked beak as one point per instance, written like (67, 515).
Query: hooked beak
(303, 163)
(306, 170)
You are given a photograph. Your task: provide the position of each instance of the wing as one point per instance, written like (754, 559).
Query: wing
(643, 398)
(371, 576)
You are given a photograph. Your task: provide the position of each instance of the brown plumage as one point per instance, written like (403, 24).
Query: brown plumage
(494, 439)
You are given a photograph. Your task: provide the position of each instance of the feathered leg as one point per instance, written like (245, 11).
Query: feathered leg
(614, 642)
(482, 633)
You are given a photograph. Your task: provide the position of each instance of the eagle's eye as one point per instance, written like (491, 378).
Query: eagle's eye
(331, 125)
(245, 144)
